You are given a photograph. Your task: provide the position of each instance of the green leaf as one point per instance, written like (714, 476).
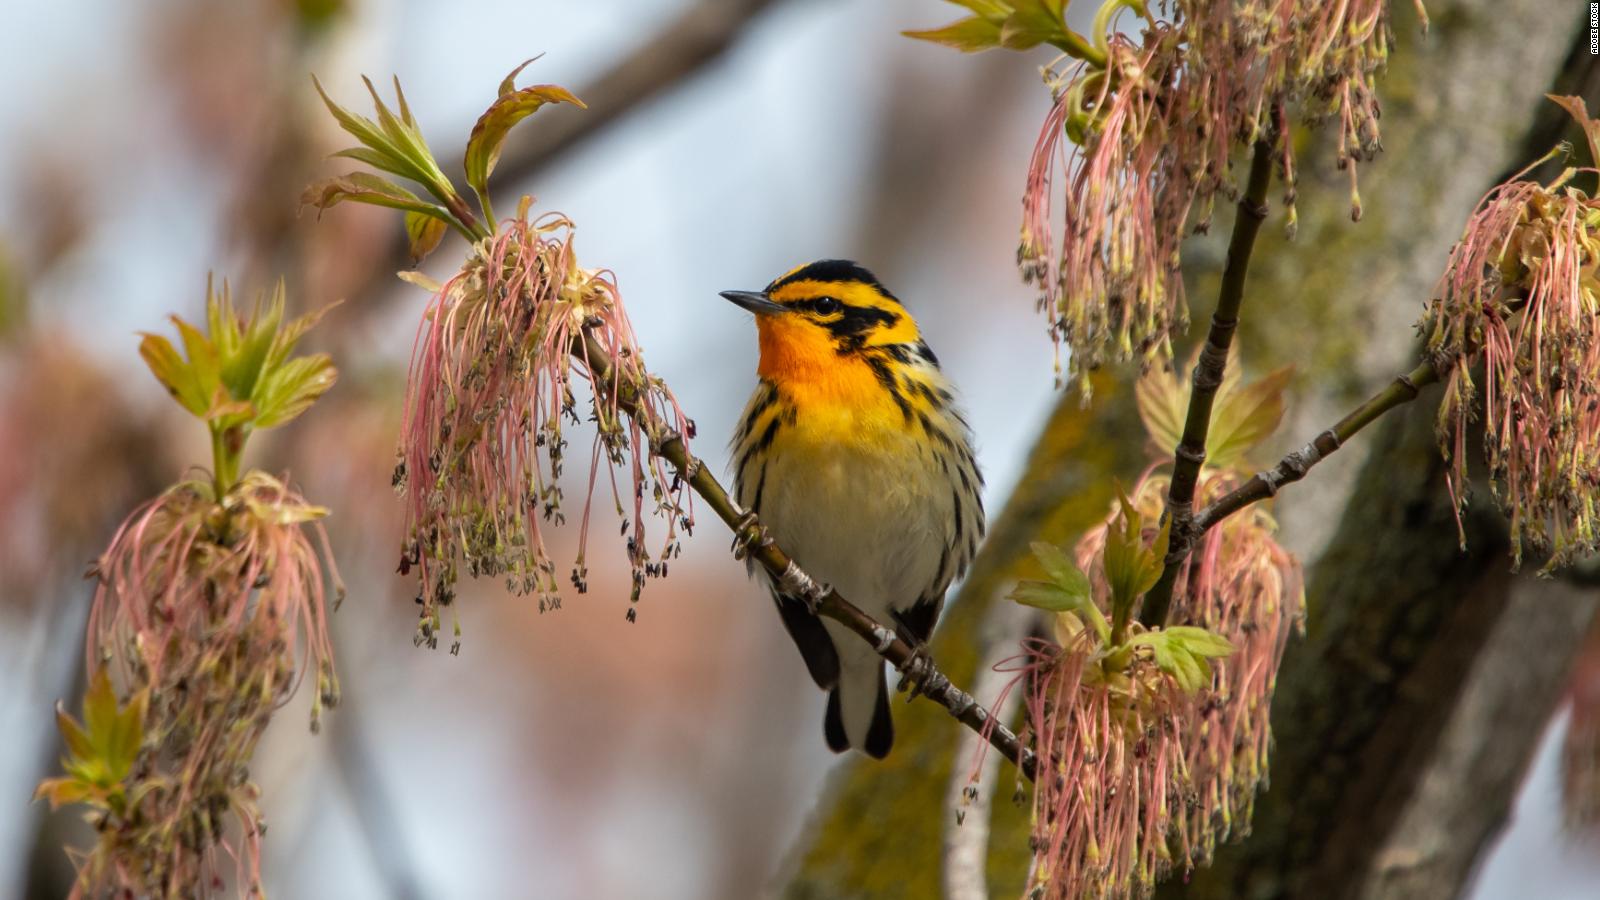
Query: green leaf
(398, 157)
(202, 356)
(1191, 672)
(173, 373)
(365, 187)
(1182, 652)
(122, 747)
(402, 131)
(75, 738)
(1241, 418)
(489, 133)
(284, 341)
(1246, 417)
(101, 751)
(509, 83)
(1045, 596)
(1122, 553)
(1161, 652)
(1200, 641)
(1163, 400)
(423, 234)
(968, 35)
(289, 389)
(221, 323)
(1132, 568)
(1031, 23)
(1155, 559)
(1060, 567)
(244, 361)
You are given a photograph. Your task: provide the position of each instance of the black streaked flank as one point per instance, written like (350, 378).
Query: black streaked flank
(768, 435)
(761, 487)
(881, 368)
(766, 395)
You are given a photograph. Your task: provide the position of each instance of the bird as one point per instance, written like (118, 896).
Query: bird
(853, 456)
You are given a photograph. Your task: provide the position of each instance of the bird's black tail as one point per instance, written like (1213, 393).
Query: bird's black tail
(880, 734)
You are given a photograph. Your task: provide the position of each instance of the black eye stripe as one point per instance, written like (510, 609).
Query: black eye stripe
(852, 327)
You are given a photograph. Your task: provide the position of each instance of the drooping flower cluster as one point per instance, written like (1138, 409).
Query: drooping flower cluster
(1155, 118)
(211, 605)
(1153, 743)
(490, 390)
(215, 611)
(1240, 584)
(1532, 249)
(1111, 290)
(1114, 772)
(492, 371)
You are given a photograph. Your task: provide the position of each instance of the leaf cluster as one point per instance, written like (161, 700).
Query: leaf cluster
(394, 144)
(101, 749)
(1182, 652)
(1019, 25)
(1242, 415)
(239, 373)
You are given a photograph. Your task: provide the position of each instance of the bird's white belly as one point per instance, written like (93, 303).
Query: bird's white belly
(872, 521)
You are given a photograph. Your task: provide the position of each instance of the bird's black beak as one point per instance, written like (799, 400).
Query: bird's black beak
(754, 301)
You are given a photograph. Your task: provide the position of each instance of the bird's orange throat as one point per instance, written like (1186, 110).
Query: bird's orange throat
(804, 360)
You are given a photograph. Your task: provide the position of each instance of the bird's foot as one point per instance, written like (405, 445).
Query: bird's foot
(916, 669)
(749, 534)
(796, 583)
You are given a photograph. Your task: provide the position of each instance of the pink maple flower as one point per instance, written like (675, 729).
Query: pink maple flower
(1520, 293)
(488, 399)
(215, 610)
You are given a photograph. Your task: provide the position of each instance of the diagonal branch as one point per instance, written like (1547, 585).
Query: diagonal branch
(1191, 450)
(925, 677)
(1295, 465)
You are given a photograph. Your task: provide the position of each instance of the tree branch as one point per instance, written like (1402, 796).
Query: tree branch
(1191, 450)
(926, 679)
(1294, 466)
(697, 36)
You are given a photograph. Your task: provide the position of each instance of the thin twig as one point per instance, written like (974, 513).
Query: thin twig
(926, 678)
(970, 798)
(1295, 465)
(1191, 450)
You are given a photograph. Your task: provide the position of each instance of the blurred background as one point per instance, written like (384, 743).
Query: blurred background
(568, 754)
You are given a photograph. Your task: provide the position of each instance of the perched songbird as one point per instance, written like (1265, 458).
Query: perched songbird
(855, 459)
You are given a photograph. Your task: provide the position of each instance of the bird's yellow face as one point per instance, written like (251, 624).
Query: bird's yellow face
(823, 327)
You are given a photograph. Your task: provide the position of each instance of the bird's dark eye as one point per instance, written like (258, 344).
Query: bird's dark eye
(825, 305)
